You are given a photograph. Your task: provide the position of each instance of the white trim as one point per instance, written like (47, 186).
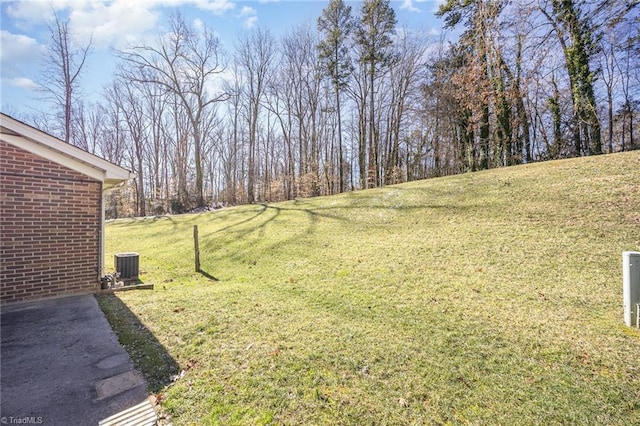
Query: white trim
(55, 156)
(40, 143)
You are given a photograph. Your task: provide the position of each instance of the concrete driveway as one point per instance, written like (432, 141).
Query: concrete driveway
(61, 364)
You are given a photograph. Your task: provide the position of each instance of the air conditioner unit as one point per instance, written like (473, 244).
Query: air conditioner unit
(127, 265)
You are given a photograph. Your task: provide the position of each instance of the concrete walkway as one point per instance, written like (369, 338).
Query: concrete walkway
(61, 364)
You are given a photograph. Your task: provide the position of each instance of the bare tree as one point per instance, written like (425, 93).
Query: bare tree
(404, 81)
(185, 63)
(64, 61)
(254, 58)
(230, 152)
(88, 126)
(129, 99)
(280, 102)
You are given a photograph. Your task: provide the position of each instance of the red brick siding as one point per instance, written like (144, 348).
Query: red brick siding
(49, 228)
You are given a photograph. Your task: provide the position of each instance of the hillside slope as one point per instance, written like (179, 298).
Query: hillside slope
(485, 298)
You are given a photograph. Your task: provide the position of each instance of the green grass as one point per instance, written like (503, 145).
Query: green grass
(485, 298)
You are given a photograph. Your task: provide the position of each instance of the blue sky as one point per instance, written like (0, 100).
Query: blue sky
(114, 23)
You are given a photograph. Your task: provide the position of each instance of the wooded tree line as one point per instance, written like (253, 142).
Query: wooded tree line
(357, 102)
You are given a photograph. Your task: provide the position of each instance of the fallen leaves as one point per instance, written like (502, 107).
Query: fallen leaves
(188, 366)
(180, 375)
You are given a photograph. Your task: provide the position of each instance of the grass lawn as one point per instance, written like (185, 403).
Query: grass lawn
(484, 298)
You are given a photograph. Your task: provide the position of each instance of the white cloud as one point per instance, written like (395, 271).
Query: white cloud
(116, 23)
(251, 16)
(17, 49)
(23, 83)
(19, 57)
(408, 6)
(28, 13)
(250, 22)
(219, 7)
(198, 25)
(109, 22)
(247, 11)
(16, 45)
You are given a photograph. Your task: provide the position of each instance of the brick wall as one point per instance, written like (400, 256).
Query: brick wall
(49, 228)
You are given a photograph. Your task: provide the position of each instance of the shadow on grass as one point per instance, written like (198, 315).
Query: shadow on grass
(208, 275)
(149, 356)
(349, 212)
